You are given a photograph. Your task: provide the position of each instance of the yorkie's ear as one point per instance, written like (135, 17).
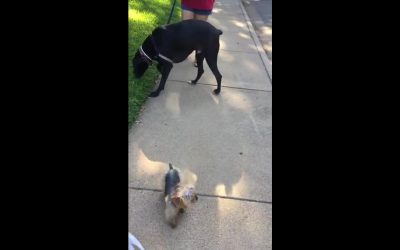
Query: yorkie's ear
(177, 201)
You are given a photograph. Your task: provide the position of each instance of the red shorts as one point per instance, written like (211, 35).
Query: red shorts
(198, 4)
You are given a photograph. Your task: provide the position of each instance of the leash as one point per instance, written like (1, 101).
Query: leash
(169, 20)
(170, 13)
(143, 53)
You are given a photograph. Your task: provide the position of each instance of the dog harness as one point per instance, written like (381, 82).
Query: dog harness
(148, 58)
(188, 193)
(143, 54)
(165, 58)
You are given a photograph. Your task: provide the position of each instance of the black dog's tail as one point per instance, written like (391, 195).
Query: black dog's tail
(170, 166)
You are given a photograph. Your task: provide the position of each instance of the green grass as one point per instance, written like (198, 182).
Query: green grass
(144, 16)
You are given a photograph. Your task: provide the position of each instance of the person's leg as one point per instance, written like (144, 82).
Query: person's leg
(202, 14)
(186, 14)
(201, 17)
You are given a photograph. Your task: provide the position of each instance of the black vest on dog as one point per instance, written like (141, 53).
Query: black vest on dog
(171, 180)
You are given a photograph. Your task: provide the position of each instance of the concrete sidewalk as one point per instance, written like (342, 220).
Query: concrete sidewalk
(225, 140)
(260, 13)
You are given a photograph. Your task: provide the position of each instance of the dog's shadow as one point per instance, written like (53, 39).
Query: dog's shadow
(183, 135)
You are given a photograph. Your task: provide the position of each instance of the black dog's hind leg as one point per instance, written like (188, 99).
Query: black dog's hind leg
(211, 59)
(164, 69)
(200, 69)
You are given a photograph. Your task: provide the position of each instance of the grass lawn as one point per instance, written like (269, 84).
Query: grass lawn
(144, 16)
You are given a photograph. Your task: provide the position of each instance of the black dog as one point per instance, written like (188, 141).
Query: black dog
(174, 43)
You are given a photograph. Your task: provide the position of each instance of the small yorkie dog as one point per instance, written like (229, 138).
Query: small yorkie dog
(179, 193)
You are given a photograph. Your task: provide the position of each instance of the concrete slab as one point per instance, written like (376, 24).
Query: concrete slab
(226, 2)
(225, 140)
(232, 22)
(240, 70)
(260, 14)
(263, 9)
(211, 223)
(267, 63)
(238, 41)
(227, 7)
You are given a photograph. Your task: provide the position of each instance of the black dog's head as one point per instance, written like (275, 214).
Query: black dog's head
(144, 57)
(140, 65)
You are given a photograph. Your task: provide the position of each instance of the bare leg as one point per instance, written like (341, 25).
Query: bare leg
(201, 17)
(187, 15)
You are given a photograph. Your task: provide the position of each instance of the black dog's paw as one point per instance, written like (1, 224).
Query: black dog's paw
(181, 210)
(154, 94)
(193, 82)
(216, 91)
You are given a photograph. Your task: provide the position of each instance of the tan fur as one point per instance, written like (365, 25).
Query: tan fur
(178, 201)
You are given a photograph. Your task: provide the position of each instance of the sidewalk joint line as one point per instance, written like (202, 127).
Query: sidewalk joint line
(238, 51)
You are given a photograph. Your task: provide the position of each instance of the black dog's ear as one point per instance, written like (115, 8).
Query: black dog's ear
(140, 64)
(158, 33)
(139, 67)
(136, 58)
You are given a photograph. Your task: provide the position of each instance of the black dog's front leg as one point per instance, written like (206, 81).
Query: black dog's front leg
(164, 69)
